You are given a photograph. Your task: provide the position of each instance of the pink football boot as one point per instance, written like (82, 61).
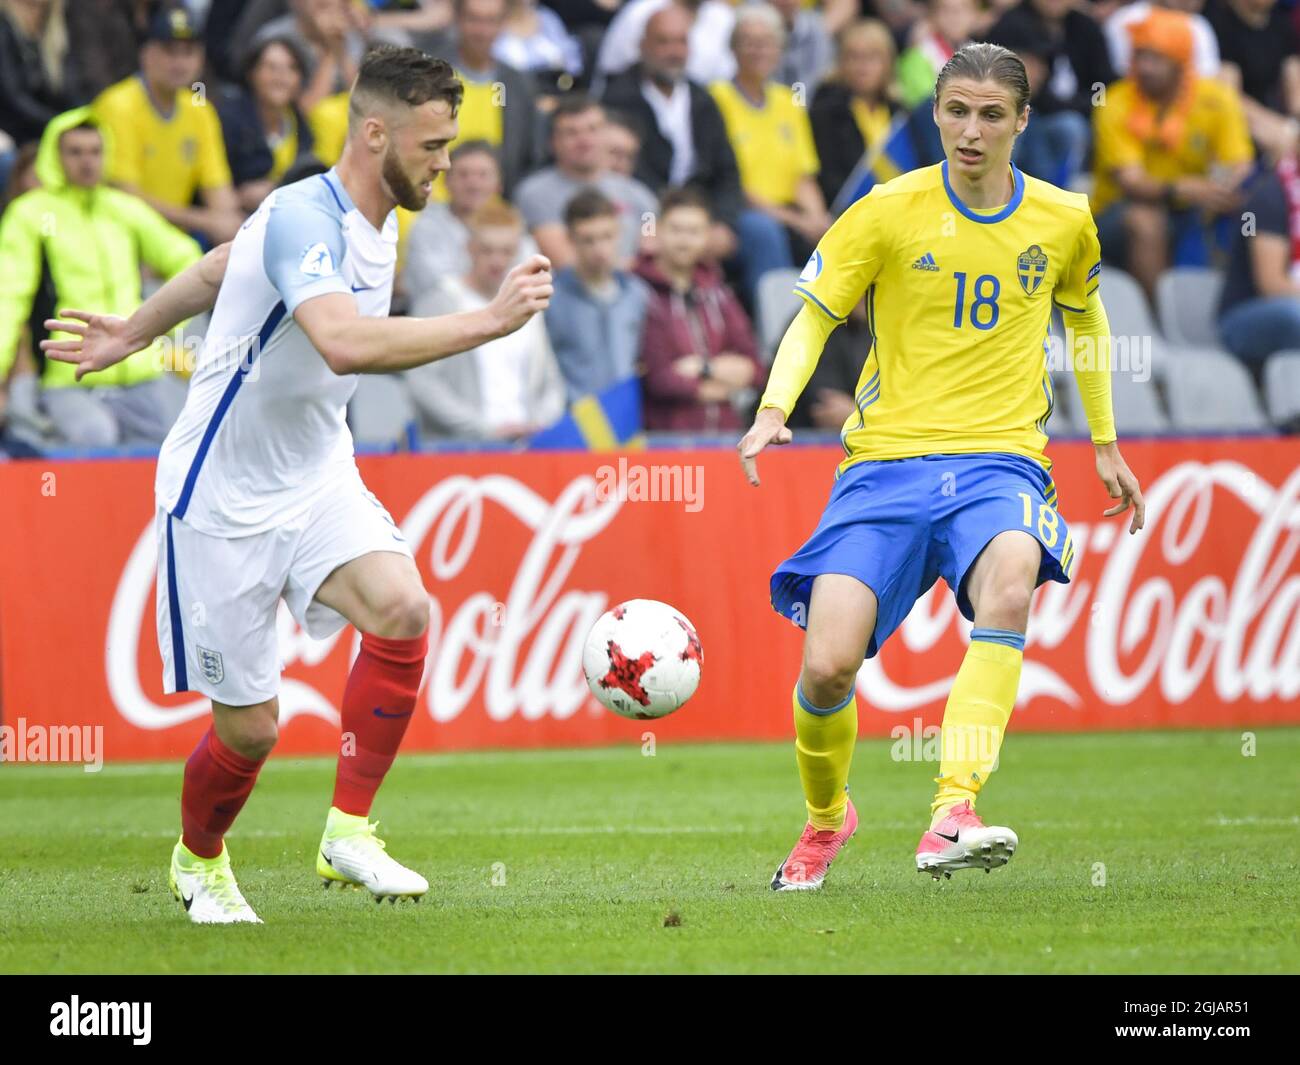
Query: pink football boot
(962, 841)
(807, 864)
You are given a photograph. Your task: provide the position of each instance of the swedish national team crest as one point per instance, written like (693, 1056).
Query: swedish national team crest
(1031, 268)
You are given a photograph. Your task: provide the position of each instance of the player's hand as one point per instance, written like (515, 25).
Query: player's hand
(99, 340)
(768, 428)
(525, 291)
(1120, 484)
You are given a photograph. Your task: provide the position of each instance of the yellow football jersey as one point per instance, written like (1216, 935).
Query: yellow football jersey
(773, 143)
(959, 303)
(168, 157)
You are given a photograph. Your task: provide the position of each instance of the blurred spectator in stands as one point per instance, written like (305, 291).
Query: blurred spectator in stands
(263, 129)
(508, 388)
(697, 349)
(597, 312)
(578, 144)
(809, 50)
(855, 107)
(1205, 51)
(438, 243)
(418, 22)
(105, 36)
(623, 135)
(707, 56)
(167, 144)
(947, 26)
(329, 39)
(1078, 61)
(535, 40)
(21, 418)
(1258, 44)
(1055, 143)
(685, 139)
(44, 267)
(827, 400)
(785, 214)
(39, 74)
(500, 105)
(1259, 310)
(1171, 153)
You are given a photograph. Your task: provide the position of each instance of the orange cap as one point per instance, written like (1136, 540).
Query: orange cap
(1167, 32)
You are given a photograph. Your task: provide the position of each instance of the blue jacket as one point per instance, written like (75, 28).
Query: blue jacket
(597, 344)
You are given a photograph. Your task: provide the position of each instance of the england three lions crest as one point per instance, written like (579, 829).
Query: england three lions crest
(1031, 268)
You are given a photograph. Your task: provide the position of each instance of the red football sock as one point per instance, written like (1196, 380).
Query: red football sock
(218, 782)
(377, 706)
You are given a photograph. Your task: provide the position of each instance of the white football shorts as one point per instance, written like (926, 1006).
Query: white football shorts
(218, 596)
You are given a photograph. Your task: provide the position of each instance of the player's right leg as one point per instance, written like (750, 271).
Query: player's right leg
(219, 777)
(217, 600)
(841, 619)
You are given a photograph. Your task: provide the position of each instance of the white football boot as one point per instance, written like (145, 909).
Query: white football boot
(962, 841)
(353, 855)
(206, 888)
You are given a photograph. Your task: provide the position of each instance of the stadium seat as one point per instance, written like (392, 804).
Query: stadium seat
(1187, 300)
(777, 303)
(1212, 393)
(1126, 304)
(1282, 389)
(1137, 406)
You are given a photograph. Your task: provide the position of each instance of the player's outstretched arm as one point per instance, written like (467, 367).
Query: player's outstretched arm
(1089, 330)
(351, 343)
(796, 358)
(103, 340)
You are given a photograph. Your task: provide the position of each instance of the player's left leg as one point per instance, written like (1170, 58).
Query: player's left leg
(352, 564)
(382, 595)
(979, 706)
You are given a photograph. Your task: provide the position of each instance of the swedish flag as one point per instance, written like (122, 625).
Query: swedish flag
(912, 141)
(606, 421)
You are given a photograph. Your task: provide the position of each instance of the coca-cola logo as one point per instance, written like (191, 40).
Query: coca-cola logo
(1134, 618)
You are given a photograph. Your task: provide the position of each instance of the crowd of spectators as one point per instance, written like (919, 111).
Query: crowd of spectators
(666, 155)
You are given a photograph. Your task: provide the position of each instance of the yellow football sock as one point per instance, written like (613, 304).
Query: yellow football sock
(823, 747)
(975, 718)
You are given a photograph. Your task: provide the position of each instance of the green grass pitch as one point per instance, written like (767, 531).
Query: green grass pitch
(1140, 852)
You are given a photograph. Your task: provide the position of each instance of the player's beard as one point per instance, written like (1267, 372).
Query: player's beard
(405, 191)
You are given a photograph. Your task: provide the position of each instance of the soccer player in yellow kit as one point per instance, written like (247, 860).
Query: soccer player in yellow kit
(944, 473)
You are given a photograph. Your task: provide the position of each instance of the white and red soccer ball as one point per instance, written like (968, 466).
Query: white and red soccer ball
(643, 659)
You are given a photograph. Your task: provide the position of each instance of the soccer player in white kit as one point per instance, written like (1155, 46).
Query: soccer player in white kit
(258, 495)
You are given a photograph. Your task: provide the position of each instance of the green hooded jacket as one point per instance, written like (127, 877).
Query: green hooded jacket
(66, 246)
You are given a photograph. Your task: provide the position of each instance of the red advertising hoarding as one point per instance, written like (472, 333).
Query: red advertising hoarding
(1193, 622)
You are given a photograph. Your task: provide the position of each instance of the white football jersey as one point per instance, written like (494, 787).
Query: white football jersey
(264, 430)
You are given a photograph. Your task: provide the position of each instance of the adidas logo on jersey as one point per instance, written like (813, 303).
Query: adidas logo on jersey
(925, 262)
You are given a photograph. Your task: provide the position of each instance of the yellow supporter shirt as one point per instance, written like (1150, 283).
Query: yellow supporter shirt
(1214, 133)
(959, 303)
(773, 143)
(329, 127)
(167, 157)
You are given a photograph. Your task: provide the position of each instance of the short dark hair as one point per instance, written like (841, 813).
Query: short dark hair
(587, 204)
(255, 56)
(574, 103)
(626, 121)
(405, 75)
(987, 62)
(476, 146)
(685, 196)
